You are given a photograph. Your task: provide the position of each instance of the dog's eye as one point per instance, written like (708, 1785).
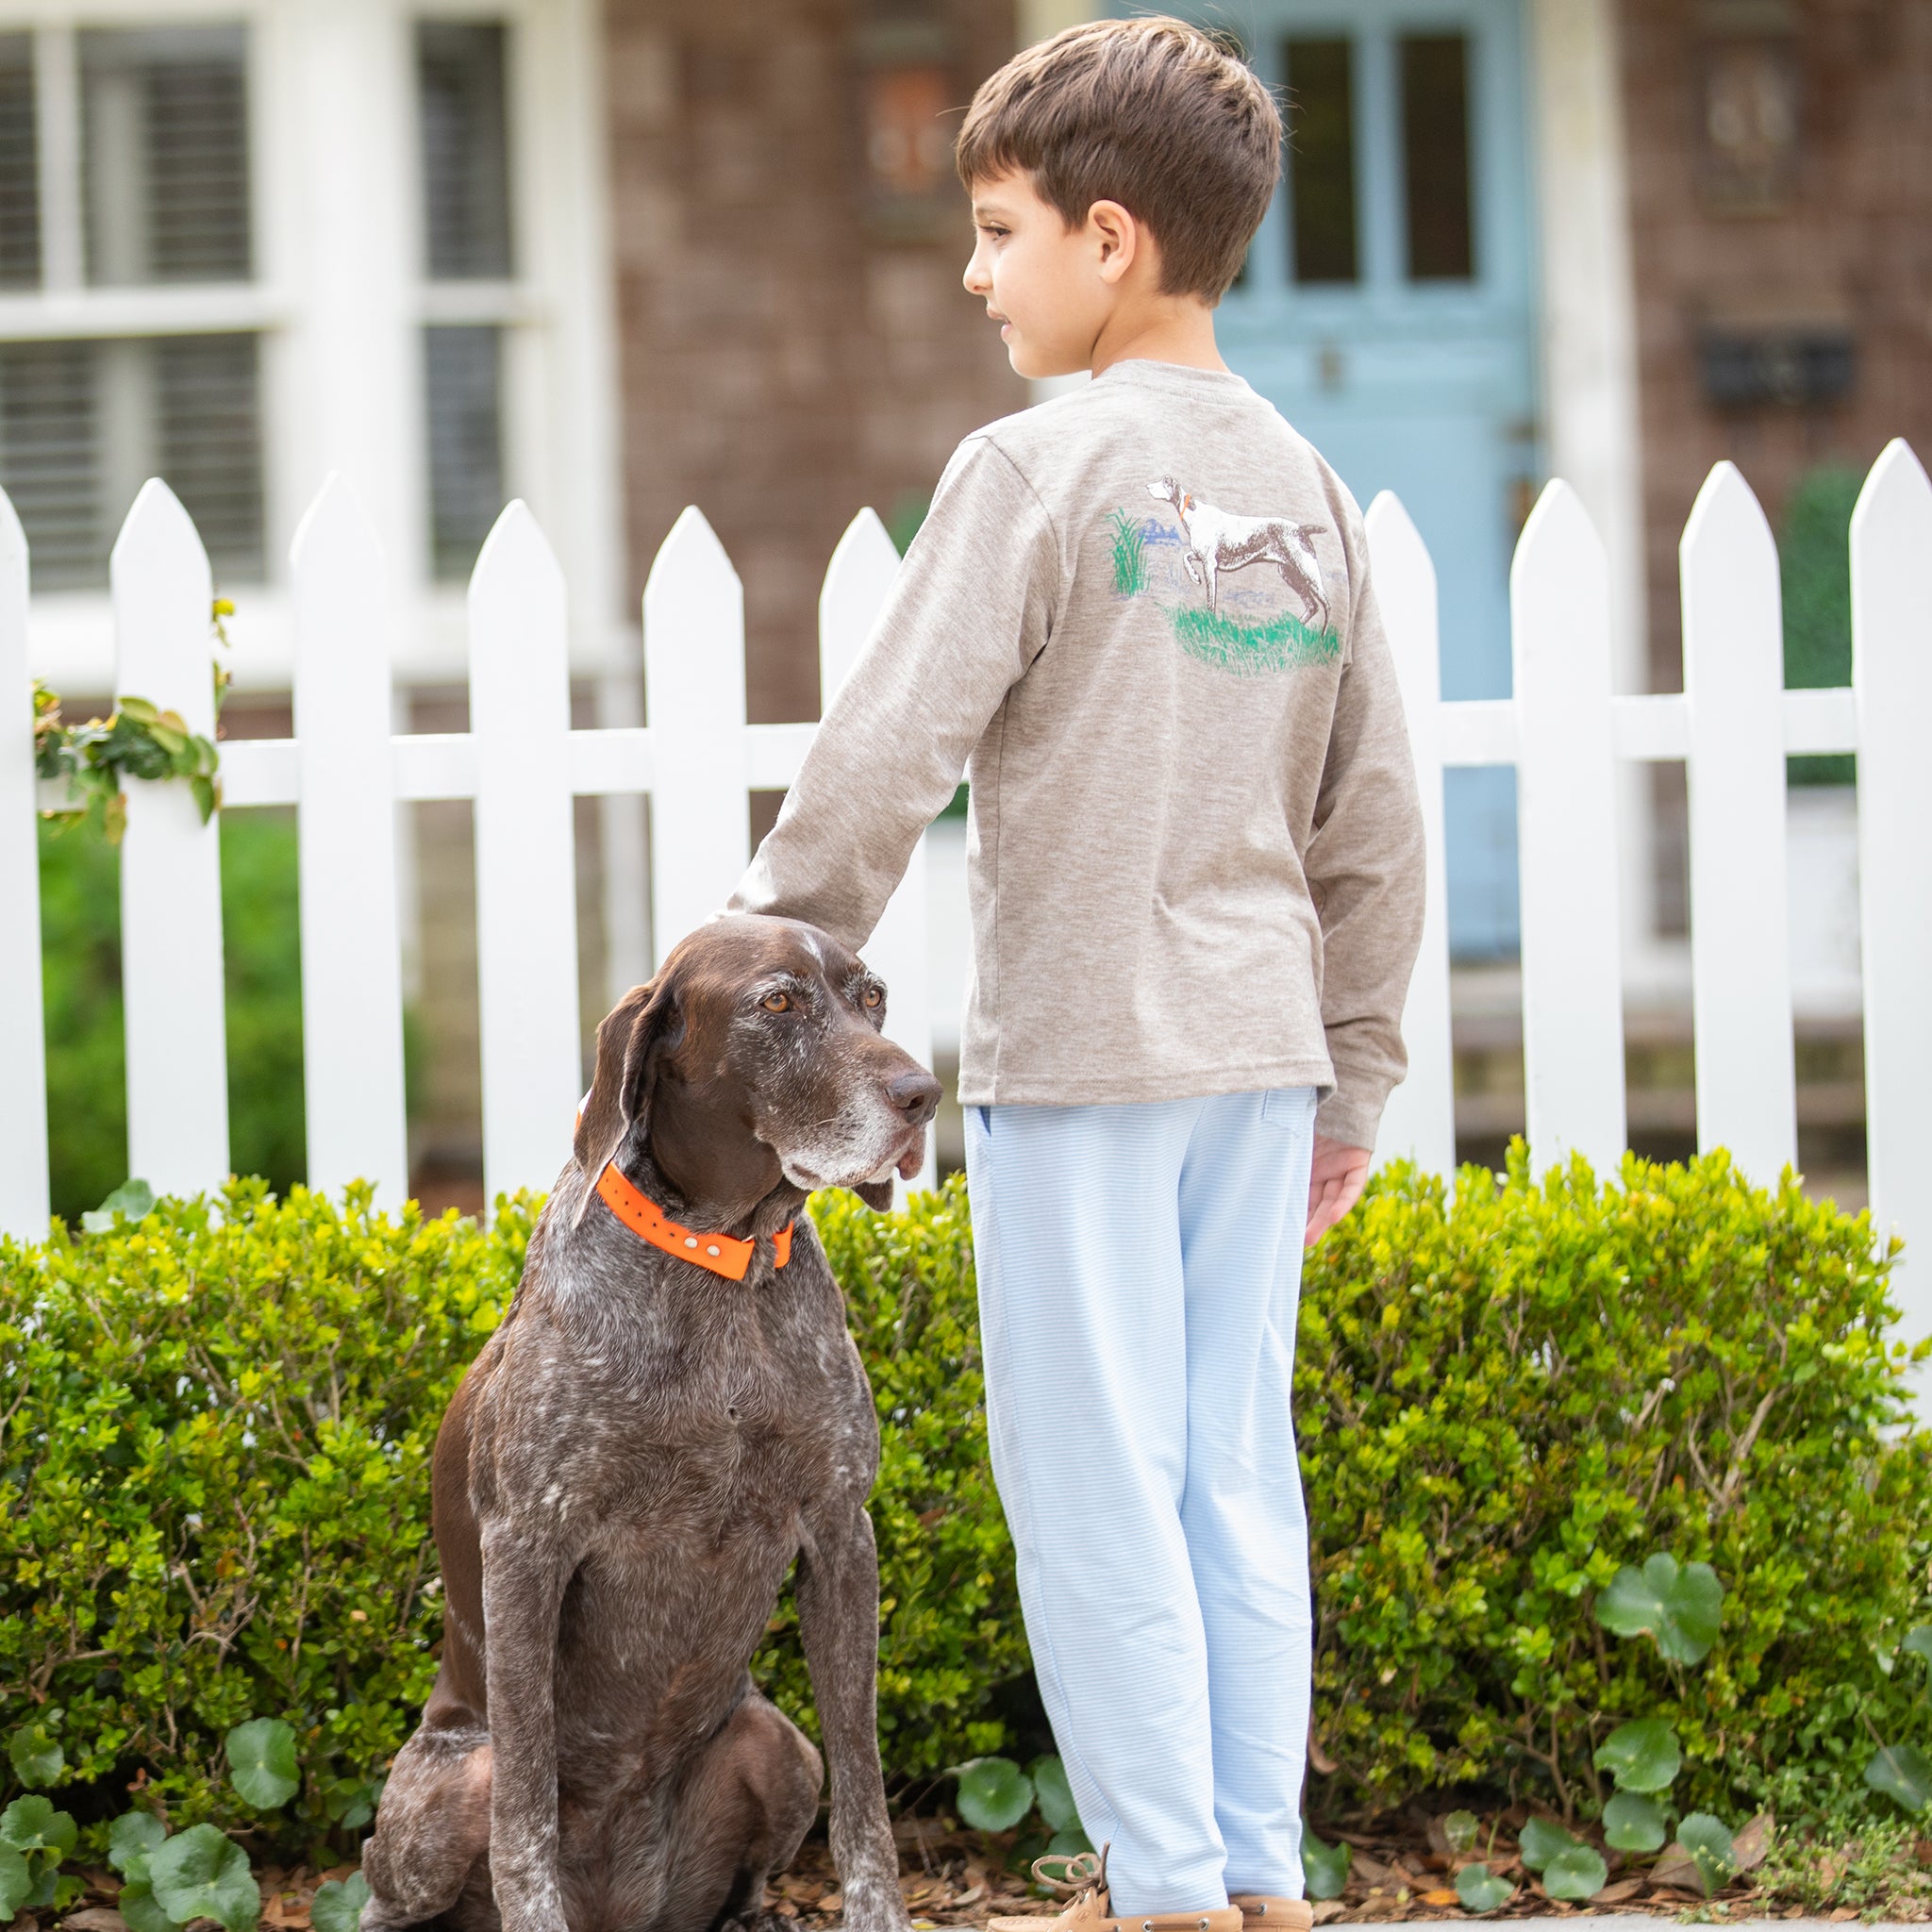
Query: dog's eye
(777, 1003)
(874, 996)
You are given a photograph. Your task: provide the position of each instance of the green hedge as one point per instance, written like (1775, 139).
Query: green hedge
(217, 1431)
(1502, 1403)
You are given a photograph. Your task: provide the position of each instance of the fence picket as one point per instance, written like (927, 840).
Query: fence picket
(1891, 685)
(1419, 1120)
(694, 698)
(23, 1205)
(857, 580)
(1572, 1015)
(171, 863)
(527, 902)
(1741, 973)
(351, 991)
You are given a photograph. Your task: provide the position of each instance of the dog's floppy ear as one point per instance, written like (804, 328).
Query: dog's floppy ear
(877, 1195)
(629, 1042)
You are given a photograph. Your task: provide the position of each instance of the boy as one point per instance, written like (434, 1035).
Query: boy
(1138, 617)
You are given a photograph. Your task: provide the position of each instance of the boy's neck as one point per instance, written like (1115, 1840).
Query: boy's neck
(1168, 331)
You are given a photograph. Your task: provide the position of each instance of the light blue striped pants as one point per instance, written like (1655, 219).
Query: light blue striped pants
(1138, 1273)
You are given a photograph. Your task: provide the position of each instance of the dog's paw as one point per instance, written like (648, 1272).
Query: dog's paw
(872, 1905)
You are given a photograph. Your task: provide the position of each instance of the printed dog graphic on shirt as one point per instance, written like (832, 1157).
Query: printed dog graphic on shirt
(1195, 568)
(1217, 540)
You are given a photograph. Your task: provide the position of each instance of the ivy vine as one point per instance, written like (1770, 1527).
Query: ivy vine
(137, 740)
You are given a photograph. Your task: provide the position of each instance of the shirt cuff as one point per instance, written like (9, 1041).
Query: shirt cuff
(1352, 1110)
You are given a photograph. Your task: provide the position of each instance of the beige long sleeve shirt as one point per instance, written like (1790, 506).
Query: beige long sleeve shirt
(1140, 620)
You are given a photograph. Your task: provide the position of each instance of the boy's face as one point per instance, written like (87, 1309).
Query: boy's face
(1050, 287)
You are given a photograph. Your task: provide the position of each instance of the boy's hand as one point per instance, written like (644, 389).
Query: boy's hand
(1335, 1178)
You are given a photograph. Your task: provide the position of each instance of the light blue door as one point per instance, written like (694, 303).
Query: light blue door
(1387, 310)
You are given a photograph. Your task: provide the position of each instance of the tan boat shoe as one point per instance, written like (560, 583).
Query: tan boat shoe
(1081, 1879)
(1261, 1913)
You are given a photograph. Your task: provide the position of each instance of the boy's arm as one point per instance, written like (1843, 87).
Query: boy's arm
(968, 612)
(1365, 868)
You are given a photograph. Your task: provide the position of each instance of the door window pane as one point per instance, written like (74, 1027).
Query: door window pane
(165, 132)
(460, 72)
(463, 379)
(84, 423)
(1435, 140)
(1321, 159)
(20, 173)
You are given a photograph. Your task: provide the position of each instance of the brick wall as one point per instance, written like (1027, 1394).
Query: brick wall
(791, 351)
(1780, 166)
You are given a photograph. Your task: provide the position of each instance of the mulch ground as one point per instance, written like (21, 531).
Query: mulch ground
(1401, 1869)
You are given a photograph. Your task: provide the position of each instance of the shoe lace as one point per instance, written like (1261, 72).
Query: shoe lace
(1067, 1875)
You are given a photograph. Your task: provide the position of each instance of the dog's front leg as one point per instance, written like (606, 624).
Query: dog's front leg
(837, 1594)
(524, 1572)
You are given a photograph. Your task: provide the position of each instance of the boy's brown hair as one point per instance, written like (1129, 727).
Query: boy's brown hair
(1150, 113)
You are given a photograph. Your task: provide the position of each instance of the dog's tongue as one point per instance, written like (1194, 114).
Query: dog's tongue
(912, 1160)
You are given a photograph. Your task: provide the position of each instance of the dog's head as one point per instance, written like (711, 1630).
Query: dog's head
(755, 1060)
(1168, 490)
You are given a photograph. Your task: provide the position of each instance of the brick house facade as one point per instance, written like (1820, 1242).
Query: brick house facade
(794, 343)
(1779, 159)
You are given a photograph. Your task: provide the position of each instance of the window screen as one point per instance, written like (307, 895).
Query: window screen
(20, 174)
(1321, 159)
(50, 458)
(459, 72)
(463, 382)
(207, 432)
(1435, 140)
(84, 423)
(165, 135)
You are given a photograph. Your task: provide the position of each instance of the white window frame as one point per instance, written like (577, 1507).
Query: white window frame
(340, 297)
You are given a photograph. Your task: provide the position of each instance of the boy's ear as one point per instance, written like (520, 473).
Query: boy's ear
(1118, 237)
(630, 1043)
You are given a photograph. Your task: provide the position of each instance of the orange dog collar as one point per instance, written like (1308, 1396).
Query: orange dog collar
(723, 1253)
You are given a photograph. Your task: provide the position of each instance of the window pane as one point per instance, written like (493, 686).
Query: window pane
(83, 424)
(20, 173)
(208, 438)
(165, 126)
(50, 458)
(1435, 138)
(459, 72)
(1321, 158)
(463, 381)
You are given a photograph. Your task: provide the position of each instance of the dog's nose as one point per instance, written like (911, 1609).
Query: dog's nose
(916, 1095)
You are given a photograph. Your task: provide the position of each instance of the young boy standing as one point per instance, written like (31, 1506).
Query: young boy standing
(1138, 617)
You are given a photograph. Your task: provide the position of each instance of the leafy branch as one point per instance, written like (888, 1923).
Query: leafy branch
(136, 741)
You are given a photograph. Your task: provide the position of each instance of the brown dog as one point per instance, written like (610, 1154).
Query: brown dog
(637, 1458)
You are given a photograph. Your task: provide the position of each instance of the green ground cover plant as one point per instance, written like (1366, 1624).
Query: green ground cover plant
(1532, 1423)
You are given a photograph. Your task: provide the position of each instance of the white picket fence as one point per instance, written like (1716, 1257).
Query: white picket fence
(522, 764)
